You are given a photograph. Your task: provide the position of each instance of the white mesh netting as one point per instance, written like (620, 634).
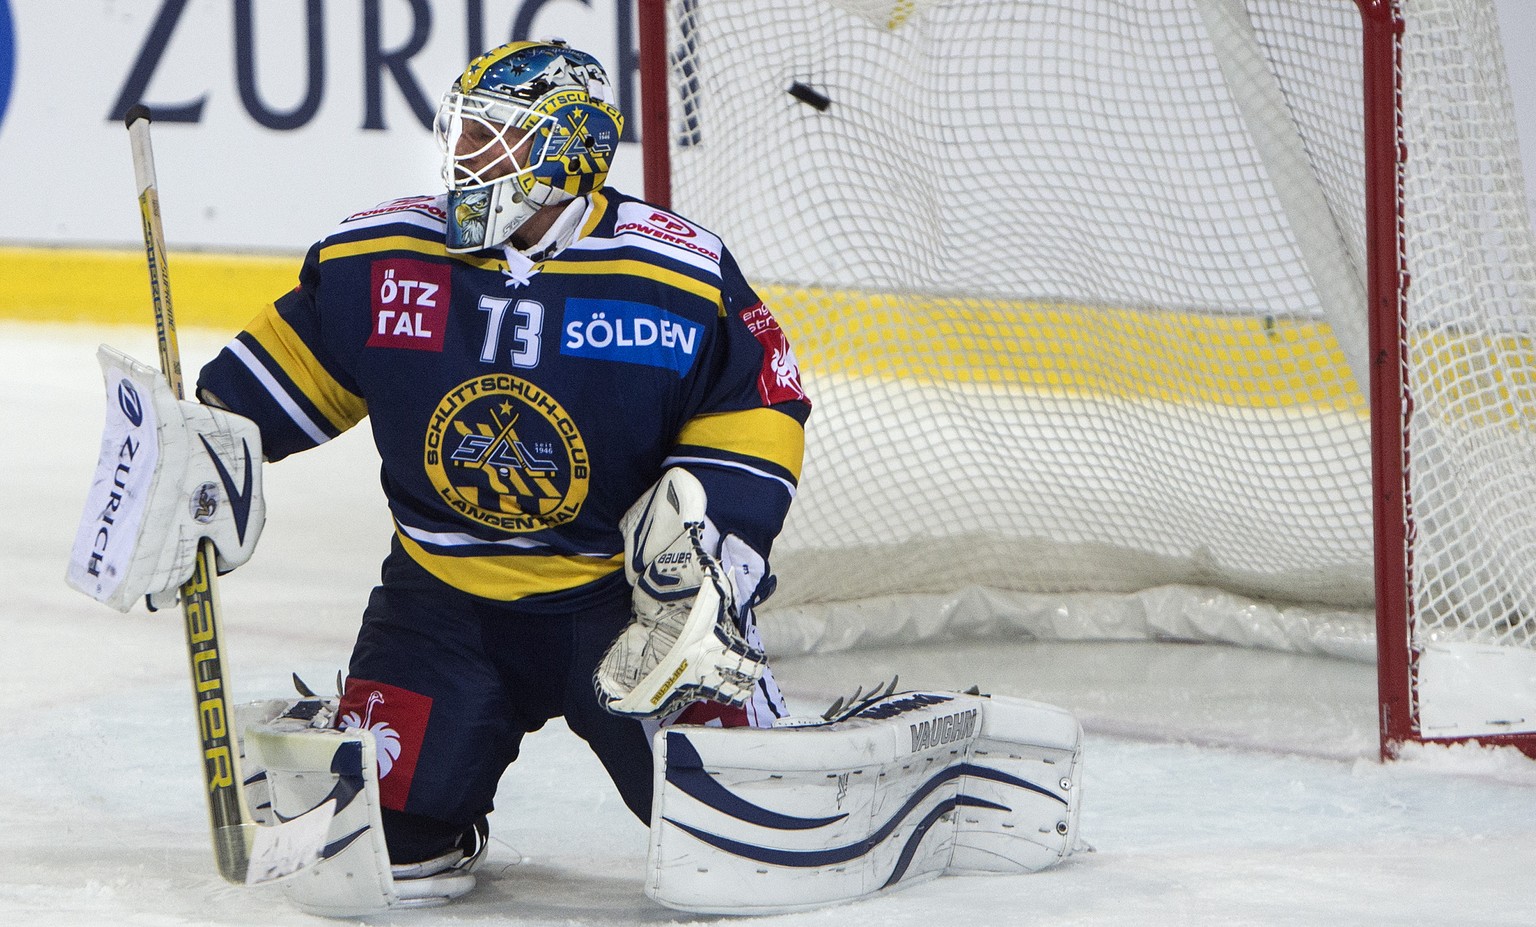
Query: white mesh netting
(1078, 289)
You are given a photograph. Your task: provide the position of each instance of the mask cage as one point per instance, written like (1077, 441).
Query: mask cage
(496, 131)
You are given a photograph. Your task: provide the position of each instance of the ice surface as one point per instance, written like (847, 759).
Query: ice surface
(1223, 787)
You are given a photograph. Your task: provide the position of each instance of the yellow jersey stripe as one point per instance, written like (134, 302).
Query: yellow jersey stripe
(762, 433)
(404, 243)
(508, 578)
(672, 278)
(375, 245)
(595, 215)
(340, 406)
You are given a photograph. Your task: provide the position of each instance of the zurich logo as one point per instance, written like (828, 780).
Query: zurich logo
(128, 399)
(7, 55)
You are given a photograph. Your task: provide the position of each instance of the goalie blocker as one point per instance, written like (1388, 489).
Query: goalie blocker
(170, 472)
(901, 790)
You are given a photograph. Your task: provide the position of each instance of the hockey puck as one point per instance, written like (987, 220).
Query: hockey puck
(810, 96)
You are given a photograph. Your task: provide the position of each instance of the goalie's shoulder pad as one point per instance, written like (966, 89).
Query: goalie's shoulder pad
(170, 472)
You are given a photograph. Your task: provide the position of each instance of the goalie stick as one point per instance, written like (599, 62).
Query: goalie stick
(246, 852)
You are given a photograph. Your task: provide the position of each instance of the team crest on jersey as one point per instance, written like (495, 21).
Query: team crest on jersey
(779, 378)
(504, 454)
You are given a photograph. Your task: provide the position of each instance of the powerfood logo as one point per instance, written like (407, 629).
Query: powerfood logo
(504, 454)
(7, 56)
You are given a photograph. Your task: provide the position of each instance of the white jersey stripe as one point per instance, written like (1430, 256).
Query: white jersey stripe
(278, 394)
(674, 460)
(630, 240)
(460, 539)
(394, 217)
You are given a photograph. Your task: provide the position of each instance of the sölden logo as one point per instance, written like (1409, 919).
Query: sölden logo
(410, 304)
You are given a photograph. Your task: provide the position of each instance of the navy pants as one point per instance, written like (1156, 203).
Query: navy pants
(450, 683)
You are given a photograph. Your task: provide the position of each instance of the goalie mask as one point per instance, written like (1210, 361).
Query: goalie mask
(526, 125)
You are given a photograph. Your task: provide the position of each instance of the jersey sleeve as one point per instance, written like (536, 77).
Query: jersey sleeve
(279, 373)
(744, 436)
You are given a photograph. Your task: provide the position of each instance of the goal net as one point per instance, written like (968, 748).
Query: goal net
(1090, 297)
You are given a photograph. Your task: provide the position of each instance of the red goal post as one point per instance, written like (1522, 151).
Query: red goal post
(1192, 319)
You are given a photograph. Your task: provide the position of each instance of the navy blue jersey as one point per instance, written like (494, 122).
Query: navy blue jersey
(519, 408)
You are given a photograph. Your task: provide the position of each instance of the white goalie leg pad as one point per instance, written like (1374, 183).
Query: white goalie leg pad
(170, 472)
(686, 642)
(1001, 829)
(908, 787)
(303, 768)
(250, 715)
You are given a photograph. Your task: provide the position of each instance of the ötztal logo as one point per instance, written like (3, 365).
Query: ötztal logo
(410, 304)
